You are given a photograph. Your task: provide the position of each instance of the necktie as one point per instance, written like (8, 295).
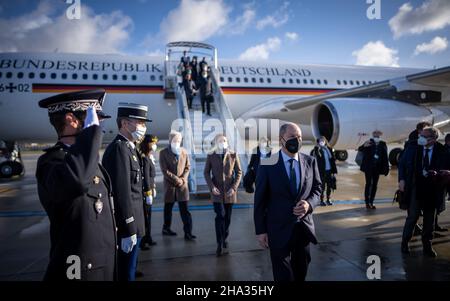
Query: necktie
(426, 160)
(292, 177)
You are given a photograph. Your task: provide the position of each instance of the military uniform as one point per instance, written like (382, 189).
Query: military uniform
(123, 164)
(75, 191)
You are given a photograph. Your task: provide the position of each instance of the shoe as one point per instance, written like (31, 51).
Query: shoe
(440, 229)
(189, 237)
(405, 248)
(368, 206)
(372, 206)
(168, 232)
(219, 251)
(138, 274)
(225, 245)
(322, 203)
(151, 242)
(329, 203)
(428, 251)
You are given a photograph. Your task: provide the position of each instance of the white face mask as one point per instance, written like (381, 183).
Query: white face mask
(376, 139)
(139, 133)
(154, 147)
(204, 75)
(322, 143)
(175, 146)
(422, 141)
(222, 145)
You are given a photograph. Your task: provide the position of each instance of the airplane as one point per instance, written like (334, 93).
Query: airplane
(341, 102)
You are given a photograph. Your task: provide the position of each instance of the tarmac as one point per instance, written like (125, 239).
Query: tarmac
(348, 234)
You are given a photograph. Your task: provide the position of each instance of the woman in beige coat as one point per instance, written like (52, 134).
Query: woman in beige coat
(174, 162)
(222, 174)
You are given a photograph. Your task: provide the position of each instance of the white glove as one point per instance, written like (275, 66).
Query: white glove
(128, 243)
(149, 200)
(91, 118)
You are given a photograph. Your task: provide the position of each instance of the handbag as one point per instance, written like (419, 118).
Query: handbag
(399, 198)
(359, 158)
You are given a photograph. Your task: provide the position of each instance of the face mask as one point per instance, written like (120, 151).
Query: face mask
(222, 145)
(322, 143)
(376, 139)
(422, 141)
(175, 146)
(139, 133)
(263, 150)
(154, 147)
(292, 145)
(204, 75)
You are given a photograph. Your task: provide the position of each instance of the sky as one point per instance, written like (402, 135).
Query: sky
(396, 33)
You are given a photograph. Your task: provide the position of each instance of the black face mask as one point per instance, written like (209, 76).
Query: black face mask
(293, 145)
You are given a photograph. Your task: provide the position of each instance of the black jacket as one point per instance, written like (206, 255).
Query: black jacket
(320, 157)
(369, 163)
(75, 191)
(274, 201)
(189, 87)
(252, 169)
(149, 172)
(205, 86)
(123, 165)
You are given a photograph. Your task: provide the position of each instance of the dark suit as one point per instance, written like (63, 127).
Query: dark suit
(189, 87)
(422, 193)
(325, 174)
(375, 163)
(273, 214)
(206, 93)
(76, 193)
(123, 165)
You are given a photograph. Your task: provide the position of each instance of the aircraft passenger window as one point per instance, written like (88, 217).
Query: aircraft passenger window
(152, 78)
(238, 79)
(351, 82)
(319, 82)
(64, 75)
(161, 78)
(357, 82)
(133, 77)
(230, 80)
(283, 80)
(305, 81)
(325, 82)
(74, 76)
(245, 80)
(42, 75)
(345, 82)
(53, 75)
(85, 76)
(269, 80)
(8, 74)
(222, 79)
(312, 82)
(31, 75)
(370, 82)
(105, 76)
(291, 81)
(253, 79)
(261, 80)
(339, 82)
(297, 81)
(114, 77)
(364, 82)
(20, 75)
(94, 76)
(124, 77)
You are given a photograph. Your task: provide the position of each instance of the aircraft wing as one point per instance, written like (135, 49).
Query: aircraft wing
(432, 80)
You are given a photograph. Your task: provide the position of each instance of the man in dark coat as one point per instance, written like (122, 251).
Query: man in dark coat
(75, 191)
(206, 92)
(375, 163)
(326, 163)
(421, 172)
(286, 194)
(189, 89)
(122, 162)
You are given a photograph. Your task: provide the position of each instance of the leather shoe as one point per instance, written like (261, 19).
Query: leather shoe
(322, 203)
(329, 203)
(428, 251)
(168, 232)
(189, 237)
(219, 251)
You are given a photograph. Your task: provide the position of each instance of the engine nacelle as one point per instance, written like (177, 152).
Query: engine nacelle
(348, 122)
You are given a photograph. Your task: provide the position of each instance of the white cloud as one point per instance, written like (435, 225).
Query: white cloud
(376, 54)
(432, 15)
(241, 23)
(293, 36)
(277, 19)
(42, 30)
(261, 51)
(157, 52)
(436, 45)
(194, 20)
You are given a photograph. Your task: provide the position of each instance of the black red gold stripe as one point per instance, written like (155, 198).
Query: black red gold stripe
(58, 88)
(275, 90)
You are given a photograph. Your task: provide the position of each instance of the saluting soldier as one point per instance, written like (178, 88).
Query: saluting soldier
(75, 190)
(122, 162)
